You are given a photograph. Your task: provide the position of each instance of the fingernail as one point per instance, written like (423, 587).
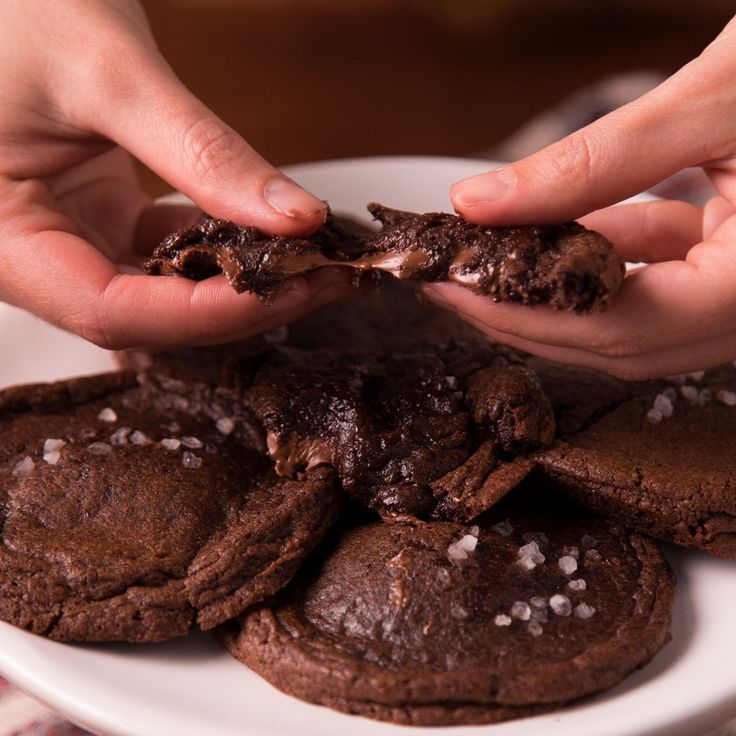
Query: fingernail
(488, 187)
(289, 199)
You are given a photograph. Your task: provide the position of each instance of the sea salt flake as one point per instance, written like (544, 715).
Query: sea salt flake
(99, 448)
(502, 620)
(592, 554)
(571, 551)
(138, 438)
(670, 393)
(225, 425)
(190, 460)
(534, 628)
(193, 443)
(577, 584)
(587, 541)
(696, 376)
(120, 437)
(531, 550)
(468, 542)
(276, 336)
(23, 468)
(726, 397)
(663, 404)
(583, 610)
(170, 443)
(521, 610)
(654, 416)
(503, 528)
(560, 604)
(568, 564)
(52, 457)
(108, 415)
(689, 393)
(52, 446)
(539, 537)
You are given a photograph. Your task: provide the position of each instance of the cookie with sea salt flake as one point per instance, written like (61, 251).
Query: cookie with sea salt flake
(437, 623)
(133, 509)
(662, 462)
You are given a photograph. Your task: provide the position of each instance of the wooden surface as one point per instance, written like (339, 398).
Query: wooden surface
(317, 80)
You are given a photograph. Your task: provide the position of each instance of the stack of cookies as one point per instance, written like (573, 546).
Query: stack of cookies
(376, 509)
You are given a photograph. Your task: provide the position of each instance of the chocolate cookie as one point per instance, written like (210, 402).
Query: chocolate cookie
(430, 435)
(437, 624)
(662, 462)
(133, 508)
(564, 266)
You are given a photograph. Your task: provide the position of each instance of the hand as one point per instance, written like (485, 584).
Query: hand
(677, 314)
(77, 78)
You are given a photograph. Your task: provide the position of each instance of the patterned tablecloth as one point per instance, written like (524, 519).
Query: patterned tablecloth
(22, 716)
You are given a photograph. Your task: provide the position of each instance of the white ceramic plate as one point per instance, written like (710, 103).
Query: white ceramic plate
(192, 687)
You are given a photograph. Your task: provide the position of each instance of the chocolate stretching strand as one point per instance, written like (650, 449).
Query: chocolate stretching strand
(565, 266)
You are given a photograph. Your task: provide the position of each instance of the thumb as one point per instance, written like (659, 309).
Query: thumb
(150, 113)
(621, 154)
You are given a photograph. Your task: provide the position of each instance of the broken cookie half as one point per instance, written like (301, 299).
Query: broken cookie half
(412, 434)
(565, 266)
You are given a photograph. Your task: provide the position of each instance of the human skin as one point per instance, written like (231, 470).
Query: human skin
(676, 314)
(83, 88)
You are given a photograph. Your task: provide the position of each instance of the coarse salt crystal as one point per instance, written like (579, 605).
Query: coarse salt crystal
(539, 537)
(568, 564)
(108, 415)
(587, 541)
(468, 542)
(99, 448)
(577, 584)
(664, 405)
(583, 610)
(503, 528)
(443, 575)
(174, 427)
(181, 403)
(138, 438)
(190, 460)
(592, 554)
(726, 397)
(194, 443)
(526, 563)
(456, 552)
(52, 457)
(474, 531)
(538, 601)
(689, 393)
(670, 393)
(696, 376)
(571, 551)
(654, 416)
(531, 550)
(534, 628)
(225, 425)
(170, 443)
(451, 382)
(52, 445)
(120, 437)
(23, 468)
(560, 604)
(276, 336)
(502, 620)
(521, 610)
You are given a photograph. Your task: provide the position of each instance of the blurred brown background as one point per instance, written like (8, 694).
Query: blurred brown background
(317, 79)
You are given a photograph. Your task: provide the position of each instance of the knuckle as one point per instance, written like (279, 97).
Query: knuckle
(211, 146)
